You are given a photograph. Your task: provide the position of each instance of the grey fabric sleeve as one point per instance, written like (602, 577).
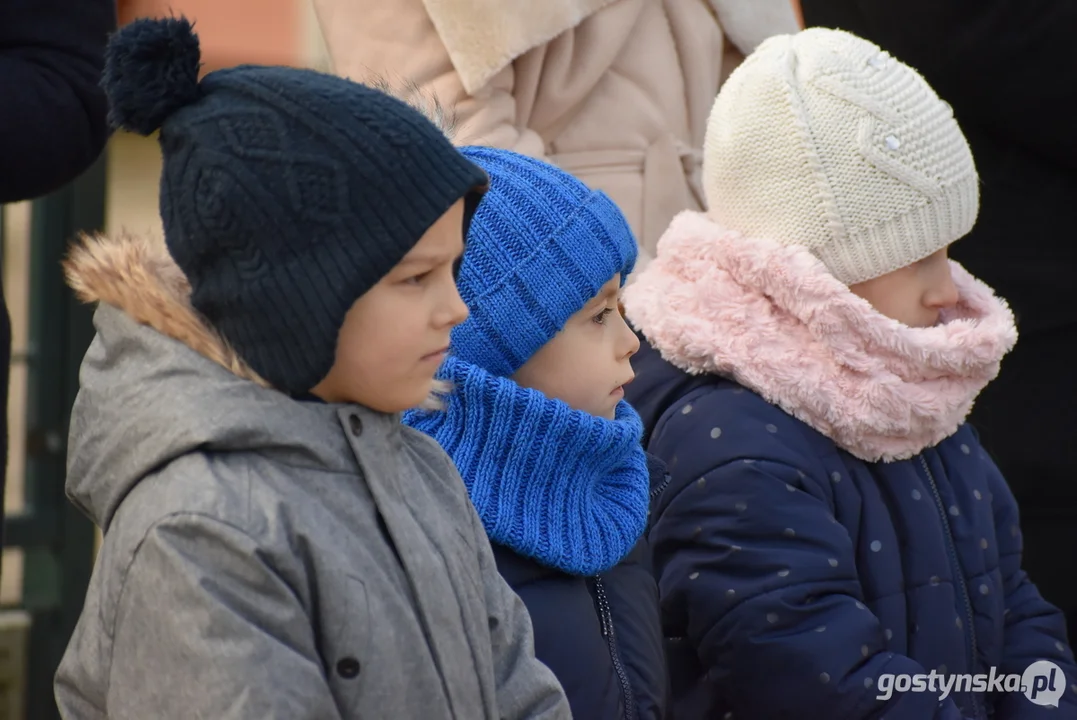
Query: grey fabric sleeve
(206, 627)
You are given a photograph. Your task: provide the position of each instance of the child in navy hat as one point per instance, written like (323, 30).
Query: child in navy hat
(537, 425)
(276, 543)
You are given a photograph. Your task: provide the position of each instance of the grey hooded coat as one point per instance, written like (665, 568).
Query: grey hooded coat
(265, 558)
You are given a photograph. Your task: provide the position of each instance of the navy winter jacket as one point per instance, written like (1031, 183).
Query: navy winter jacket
(599, 635)
(52, 107)
(794, 576)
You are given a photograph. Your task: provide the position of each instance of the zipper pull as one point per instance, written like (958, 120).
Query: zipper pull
(603, 607)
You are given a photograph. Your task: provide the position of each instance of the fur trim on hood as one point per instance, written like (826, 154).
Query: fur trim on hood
(139, 277)
(775, 320)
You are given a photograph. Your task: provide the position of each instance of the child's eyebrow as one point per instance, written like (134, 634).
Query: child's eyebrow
(424, 259)
(430, 258)
(604, 297)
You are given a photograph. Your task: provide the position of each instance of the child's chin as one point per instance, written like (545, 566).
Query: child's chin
(400, 400)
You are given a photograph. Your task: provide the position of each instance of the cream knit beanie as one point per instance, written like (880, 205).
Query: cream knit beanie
(821, 139)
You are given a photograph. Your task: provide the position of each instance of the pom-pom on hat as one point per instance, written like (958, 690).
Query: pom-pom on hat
(286, 194)
(151, 72)
(821, 139)
(540, 246)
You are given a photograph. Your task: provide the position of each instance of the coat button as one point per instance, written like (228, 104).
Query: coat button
(356, 424)
(348, 668)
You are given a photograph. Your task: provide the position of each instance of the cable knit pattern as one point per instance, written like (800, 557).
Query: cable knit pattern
(773, 318)
(824, 140)
(560, 486)
(286, 193)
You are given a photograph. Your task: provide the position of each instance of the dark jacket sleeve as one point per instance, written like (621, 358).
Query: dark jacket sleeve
(563, 617)
(1035, 630)
(759, 576)
(527, 689)
(52, 111)
(1005, 65)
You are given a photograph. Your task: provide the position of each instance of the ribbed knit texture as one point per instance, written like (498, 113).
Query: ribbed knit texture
(821, 139)
(561, 486)
(286, 194)
(558, 485)
(540, 247)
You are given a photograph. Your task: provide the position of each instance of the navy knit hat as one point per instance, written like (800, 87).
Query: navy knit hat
(540, 246)
(286, 194)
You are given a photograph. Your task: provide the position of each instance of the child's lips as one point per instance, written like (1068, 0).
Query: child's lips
(436, 355)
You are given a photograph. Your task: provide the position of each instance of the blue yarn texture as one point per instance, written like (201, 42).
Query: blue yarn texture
(557, 485)
(539, 248)
(561, 486)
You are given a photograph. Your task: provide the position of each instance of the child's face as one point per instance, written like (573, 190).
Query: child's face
(395, 336)
(587, 363)
(915, 294)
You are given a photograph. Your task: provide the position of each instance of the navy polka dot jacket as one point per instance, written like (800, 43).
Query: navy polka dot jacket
(800, 582)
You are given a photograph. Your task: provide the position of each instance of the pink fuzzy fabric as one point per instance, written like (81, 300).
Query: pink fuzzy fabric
(774, 319)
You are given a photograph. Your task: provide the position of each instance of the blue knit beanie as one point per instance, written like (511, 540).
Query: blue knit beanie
(540, 246)
(286, 194)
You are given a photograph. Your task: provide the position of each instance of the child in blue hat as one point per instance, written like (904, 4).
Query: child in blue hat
(538, 427)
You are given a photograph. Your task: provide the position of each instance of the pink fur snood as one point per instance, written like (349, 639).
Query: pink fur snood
(775, 320)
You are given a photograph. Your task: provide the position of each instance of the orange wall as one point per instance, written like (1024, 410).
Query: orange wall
(231, 32)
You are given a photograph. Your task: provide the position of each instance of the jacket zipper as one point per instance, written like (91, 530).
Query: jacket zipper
(969, 620)
(655, 492)
(607, 632)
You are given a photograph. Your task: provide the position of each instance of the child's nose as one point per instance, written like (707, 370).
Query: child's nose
(630, 343)
(454, 311)
(945, 294)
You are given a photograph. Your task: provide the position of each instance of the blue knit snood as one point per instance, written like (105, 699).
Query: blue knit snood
(560, 486)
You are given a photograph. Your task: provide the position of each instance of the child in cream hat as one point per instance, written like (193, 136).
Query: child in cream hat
(835, 543)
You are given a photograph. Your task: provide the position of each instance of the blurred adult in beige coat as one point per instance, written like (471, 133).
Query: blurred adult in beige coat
(616, 92)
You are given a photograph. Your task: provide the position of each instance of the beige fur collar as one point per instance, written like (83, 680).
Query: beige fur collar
(483, 37)
(139, 277)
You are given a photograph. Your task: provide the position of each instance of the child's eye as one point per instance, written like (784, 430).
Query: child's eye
(601, 317)
(416, 279)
